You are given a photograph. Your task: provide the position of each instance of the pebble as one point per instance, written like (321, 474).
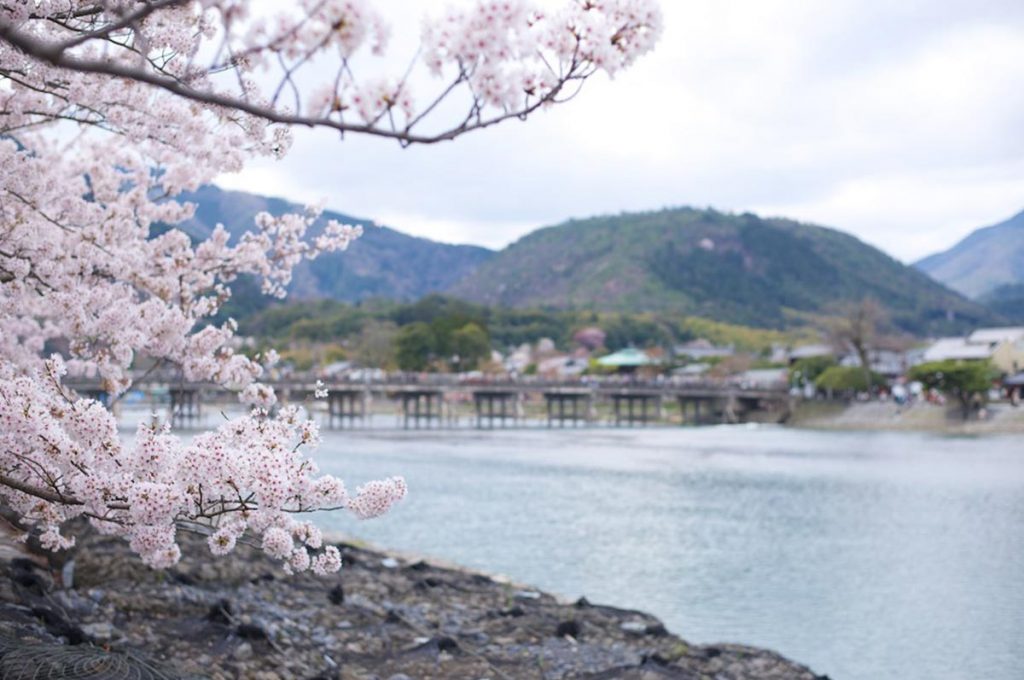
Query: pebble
(527, 595)
(243, 652)
(100, 631)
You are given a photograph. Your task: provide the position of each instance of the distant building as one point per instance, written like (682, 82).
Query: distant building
(763, 378)
(336, 369)
(956, 349)
(562, 366)
(627, 359)
(519, 359)
(809, 352)
(1004, 347)
(1015, 385)
(888, 363)
(1011, 334)
(779, 354)
(691, 370)
(702, 349)
(546, 347)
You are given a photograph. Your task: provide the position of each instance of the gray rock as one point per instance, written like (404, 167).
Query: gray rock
(526, 595)
(284, 628)
(100, 631)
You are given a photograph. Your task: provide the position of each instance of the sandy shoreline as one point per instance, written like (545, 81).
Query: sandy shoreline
(1003, 419)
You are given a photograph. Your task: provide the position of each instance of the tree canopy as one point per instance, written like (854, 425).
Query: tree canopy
(967, 381)
(847, 379)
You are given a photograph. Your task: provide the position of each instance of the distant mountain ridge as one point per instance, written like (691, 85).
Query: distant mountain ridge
(742, 269)
(1006, 300)
(736, 268)
(383, 262)
(985, 260)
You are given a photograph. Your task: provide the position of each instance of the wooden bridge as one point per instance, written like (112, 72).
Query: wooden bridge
(432, 402)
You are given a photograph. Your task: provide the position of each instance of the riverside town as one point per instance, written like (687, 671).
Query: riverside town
(511, 340)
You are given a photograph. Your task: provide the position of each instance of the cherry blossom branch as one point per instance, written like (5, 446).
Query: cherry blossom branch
(131, 20)
(60, 59)
(92, 259)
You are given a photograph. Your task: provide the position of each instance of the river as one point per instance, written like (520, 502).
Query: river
(867, 556)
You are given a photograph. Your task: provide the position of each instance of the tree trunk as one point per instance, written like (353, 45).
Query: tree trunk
(865, 364)
(965, 405)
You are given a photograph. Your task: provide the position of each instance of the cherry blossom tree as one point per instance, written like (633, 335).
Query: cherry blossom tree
(109, 110)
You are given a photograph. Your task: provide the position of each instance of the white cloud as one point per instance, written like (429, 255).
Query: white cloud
(899, 122)
(917, 214)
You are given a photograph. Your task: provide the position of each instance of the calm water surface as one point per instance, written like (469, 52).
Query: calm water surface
(865, 556)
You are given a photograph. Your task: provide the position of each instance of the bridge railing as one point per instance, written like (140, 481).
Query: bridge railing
(455, 382)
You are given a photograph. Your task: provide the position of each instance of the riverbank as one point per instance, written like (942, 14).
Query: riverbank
(920, 417)
(384, 616)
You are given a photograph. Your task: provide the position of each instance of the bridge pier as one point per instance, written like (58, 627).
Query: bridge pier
(420, 408)
(635, 407)
(186, 406)
(697, 418)
(572, 407)
(497, 404)
(347, 405)
(484, 402)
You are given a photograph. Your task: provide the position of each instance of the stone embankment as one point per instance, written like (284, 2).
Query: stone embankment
(99, 613)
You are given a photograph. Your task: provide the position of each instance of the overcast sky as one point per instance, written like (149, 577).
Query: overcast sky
(901, 122)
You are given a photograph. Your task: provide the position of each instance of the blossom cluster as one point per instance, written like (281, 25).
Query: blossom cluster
(111, 111)
(250, 474)
(511, 53)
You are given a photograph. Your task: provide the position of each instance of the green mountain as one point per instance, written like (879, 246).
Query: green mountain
(736, 268)
(1007, 301)
(382, 263)
(987, 259)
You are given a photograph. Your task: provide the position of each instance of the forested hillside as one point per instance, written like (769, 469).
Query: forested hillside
(737, 268)
(382, 263)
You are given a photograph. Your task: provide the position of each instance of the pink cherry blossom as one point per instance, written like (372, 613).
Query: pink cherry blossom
(110, 111)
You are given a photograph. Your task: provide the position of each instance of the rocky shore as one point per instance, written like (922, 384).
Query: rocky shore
(97, 612)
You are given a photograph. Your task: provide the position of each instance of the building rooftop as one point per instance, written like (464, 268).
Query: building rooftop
(629, 356)
(808, 351)
(996, 335)
(945, 349)
(702, 348)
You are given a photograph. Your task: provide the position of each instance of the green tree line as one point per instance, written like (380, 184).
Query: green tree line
(439, 330)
